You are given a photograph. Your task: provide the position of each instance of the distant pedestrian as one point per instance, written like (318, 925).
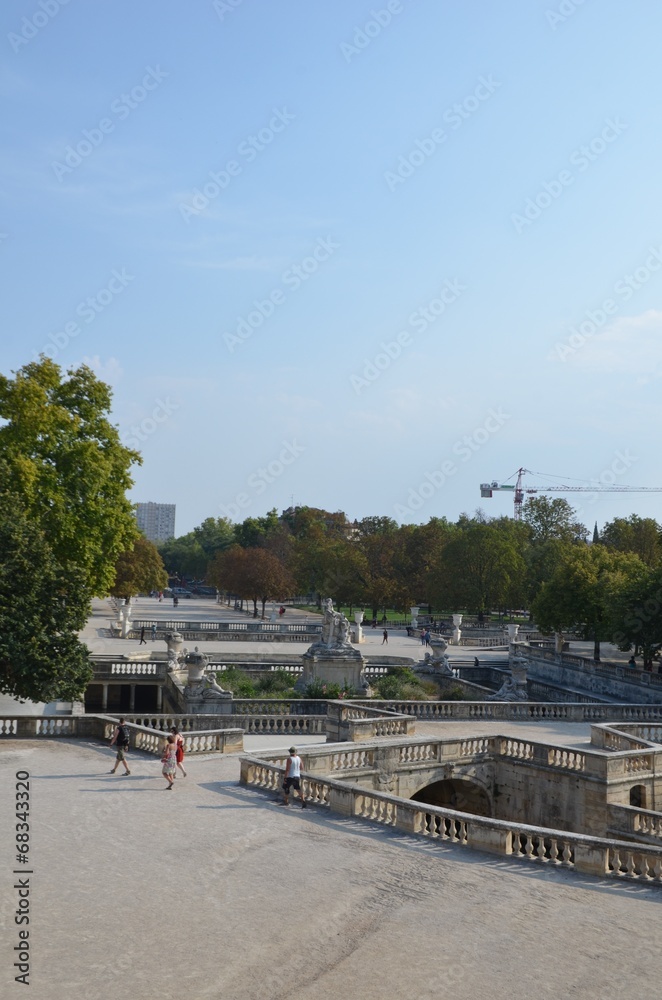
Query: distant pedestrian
(169, 761)
(121, 741)
(385, 637)
(160, 596)
(154, 633)
(293, 777)
(427, 637)
(632, 662)
(143, 640)
(175, 602)
(179, 749)
(422, 635)
(476, 663)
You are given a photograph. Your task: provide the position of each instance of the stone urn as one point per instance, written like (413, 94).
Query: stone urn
(358, 631)
(196, 664)
(457, 634)
(414, 617)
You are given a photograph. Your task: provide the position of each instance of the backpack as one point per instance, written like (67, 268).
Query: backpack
(122, 736)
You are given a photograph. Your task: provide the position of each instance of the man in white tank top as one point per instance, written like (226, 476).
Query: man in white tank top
(293, 777)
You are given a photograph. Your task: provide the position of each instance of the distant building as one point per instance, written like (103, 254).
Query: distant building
(156, 520)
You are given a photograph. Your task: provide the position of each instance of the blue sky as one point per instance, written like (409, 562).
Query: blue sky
(343, 252)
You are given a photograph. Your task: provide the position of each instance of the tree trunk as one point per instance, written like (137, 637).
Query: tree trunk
(264, 601)
(254, 599)
(596, 650)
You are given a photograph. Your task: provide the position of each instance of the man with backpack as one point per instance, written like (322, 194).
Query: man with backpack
(121, 741)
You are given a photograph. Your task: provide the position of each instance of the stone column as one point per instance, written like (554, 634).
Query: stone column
(273, 615)
(125, 612)
(132, 699)
(104, 698)
(414, 617)
(159, 698)
(457, 634)
(358, 631)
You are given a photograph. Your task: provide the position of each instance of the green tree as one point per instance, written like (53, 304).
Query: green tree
(482, 568)
(139, 570)
(636, 613)
(43, 605)
(552, 519)
(579, 596)
(640, 535)
(65, 520)
(68, 467)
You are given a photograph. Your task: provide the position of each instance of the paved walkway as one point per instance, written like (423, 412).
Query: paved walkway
(214, 891)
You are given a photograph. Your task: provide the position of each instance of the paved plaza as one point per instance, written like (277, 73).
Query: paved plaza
(215, 891)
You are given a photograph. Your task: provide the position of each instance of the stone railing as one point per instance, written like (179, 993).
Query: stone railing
(102, 727)
(516, 711)
(352, 721)
(278, 706)
(182, 626)
(606, 679)
(254, 724)
(131, 669)
(590, 855)
(611, 738)
(635, 822)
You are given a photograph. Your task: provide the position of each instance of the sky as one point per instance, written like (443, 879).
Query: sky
(362, 257)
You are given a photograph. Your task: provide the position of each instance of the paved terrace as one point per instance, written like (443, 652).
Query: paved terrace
(399, 644)
(216, 891)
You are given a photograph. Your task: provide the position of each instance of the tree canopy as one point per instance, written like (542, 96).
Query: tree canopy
(64, 520)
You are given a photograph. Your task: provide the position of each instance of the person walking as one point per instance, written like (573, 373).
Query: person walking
(385, 637)
(121, 741)
(169, 761)
(427, 637)
(293, 777)
(422, 635)
(143, 640)
(153, 633)
(179, 745)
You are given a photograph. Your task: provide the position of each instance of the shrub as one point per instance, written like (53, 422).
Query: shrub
(236, 681)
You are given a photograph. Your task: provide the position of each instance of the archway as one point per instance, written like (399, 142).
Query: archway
(456, 793)
(638, 796)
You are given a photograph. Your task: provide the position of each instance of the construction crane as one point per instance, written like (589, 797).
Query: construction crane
(518, 488)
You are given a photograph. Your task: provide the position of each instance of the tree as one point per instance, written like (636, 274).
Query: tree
(65, 519)
(42, 608)
(190, 554)
(482, 567)
(68, 467)
(552, 519)
(640, 535)
(579, 595)
(636, 614)
(252, 574)
(139, 570)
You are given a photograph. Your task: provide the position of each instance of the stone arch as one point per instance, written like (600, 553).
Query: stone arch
(463, 794)
(638, 796)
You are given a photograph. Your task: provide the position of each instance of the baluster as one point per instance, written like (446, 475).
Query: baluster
(567, 853)
(528, 849)
(540, 850)
(554, 851)
(630, 865)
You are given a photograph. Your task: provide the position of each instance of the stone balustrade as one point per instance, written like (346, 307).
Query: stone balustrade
(632, 820)
(102, 727)
(590, 855)
(470, 711)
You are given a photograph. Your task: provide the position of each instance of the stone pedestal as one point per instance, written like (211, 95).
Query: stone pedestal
(457, 634)
(273, 614)
(333, 660)
(358, 631)
(175, 645)
(414, 617)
